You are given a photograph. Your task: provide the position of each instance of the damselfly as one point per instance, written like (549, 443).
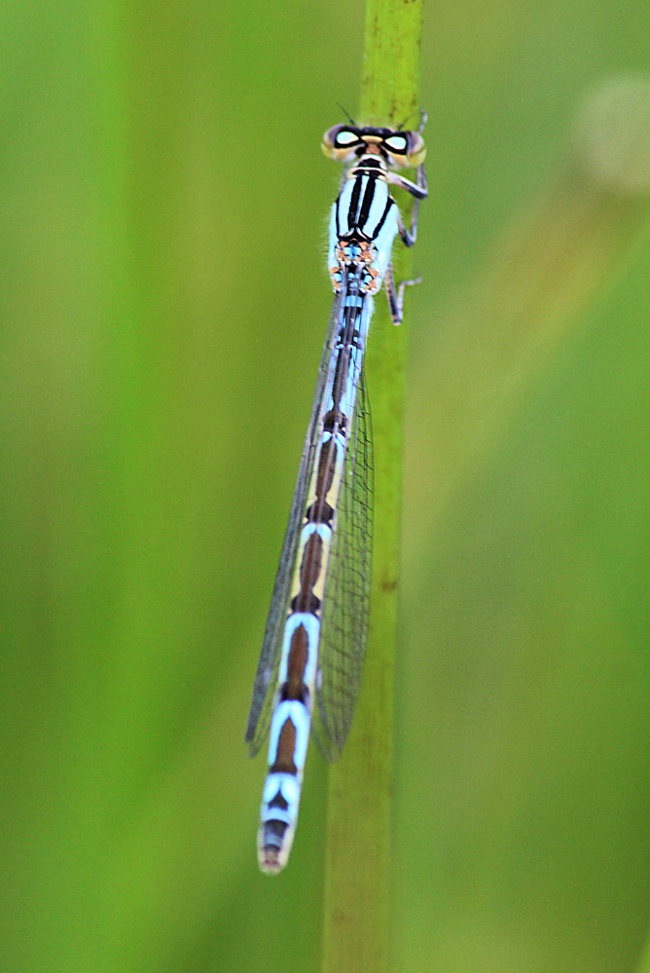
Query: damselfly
(315, 636)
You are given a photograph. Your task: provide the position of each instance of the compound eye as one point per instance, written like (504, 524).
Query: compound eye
(340, 142)
(417, 149)
(397, 144)
(345, 139)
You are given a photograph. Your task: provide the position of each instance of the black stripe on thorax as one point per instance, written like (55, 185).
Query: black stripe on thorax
(360, 207)
(354, 202)
(389, 202)
(366, 203)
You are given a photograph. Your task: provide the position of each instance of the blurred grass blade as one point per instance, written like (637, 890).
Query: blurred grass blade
(549, 264)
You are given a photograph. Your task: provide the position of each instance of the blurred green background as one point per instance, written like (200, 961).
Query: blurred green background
(164, 301)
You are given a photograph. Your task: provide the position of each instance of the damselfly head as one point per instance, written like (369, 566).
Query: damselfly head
(346, 143)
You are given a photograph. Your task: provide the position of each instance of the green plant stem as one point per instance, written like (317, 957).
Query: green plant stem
(357, 895)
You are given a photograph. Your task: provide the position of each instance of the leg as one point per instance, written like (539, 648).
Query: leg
(394, 296)
(418, 189)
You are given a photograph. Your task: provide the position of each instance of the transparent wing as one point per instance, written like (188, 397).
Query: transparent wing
(347, 591)
(264, 686)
